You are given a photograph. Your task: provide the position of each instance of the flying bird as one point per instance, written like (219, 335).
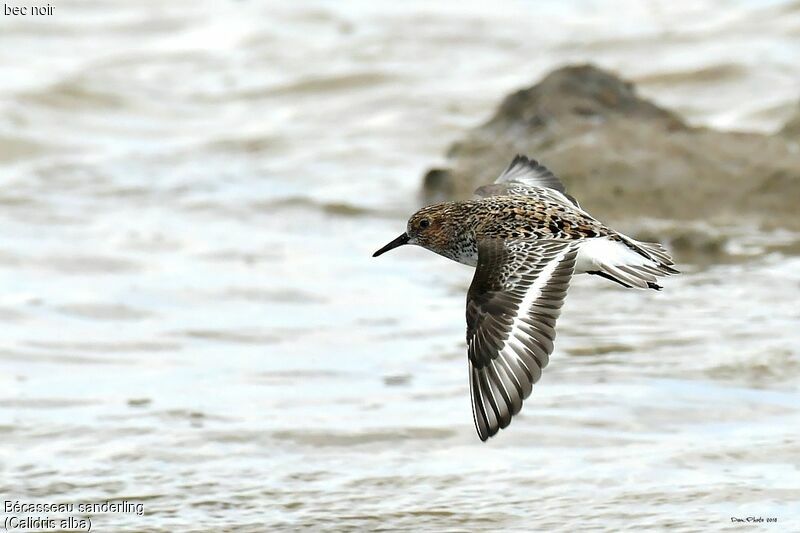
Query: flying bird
(526, 237)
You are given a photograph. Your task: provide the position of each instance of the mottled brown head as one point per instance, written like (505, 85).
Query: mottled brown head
(440, 228)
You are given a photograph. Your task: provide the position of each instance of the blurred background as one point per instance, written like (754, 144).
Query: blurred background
(190, 195)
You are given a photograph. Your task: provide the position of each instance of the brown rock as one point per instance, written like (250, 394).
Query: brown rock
(792, 126)
(625, 158)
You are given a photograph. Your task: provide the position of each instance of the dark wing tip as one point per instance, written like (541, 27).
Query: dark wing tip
(523, 160)
(530, 172)
(519, 176)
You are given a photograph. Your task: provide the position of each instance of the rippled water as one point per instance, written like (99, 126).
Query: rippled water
(191, 192)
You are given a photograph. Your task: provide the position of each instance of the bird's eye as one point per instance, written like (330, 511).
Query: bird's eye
(424, 223)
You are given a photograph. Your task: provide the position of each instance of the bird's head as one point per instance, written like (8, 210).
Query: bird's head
(435, 227)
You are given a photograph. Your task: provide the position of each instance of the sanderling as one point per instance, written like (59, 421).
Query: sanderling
(527, 237)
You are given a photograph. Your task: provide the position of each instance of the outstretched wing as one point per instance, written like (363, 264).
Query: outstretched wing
(512, 306)
(526, 177)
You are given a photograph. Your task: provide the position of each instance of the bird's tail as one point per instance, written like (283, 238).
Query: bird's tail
(630, 263)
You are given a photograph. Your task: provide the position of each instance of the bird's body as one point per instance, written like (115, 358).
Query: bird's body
(526, 237)
(512, 218)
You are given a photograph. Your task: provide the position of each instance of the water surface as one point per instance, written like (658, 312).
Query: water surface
(191, 192)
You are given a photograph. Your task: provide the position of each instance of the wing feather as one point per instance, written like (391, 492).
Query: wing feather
(527, 177)
(512, 307)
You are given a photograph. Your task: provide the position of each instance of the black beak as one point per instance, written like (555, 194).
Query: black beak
(400, 241)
